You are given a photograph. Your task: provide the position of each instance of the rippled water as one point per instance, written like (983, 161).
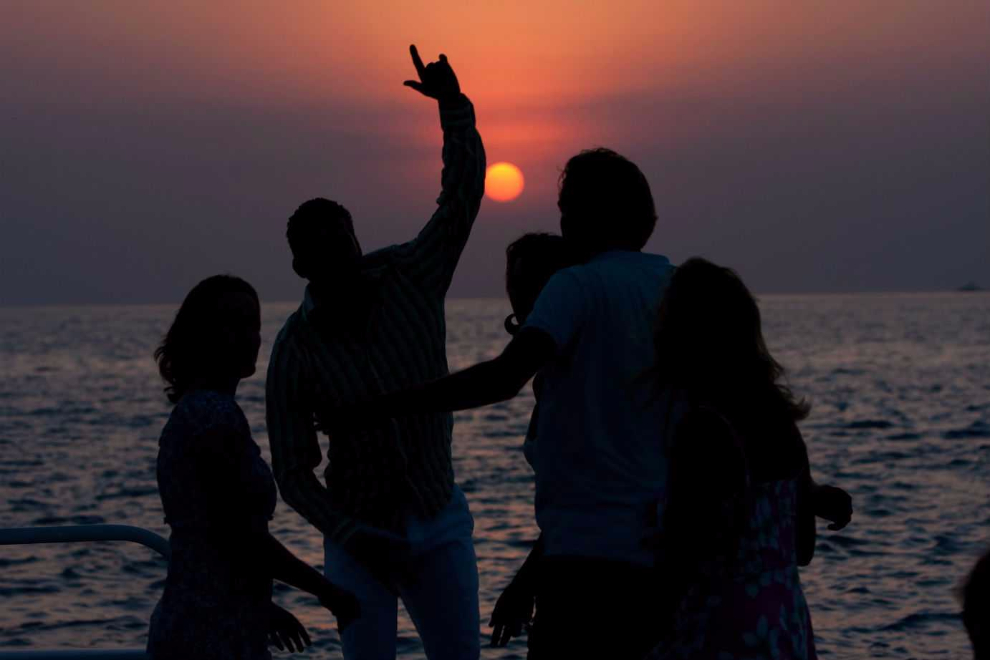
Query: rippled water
(901, 386)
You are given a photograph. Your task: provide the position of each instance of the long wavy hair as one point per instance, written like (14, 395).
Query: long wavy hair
(709, 342)
(196, 341)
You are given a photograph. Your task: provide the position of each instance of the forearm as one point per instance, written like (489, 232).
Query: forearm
(291, 570)
(807, 532)
(463, 177)
(303, 491)
(481, 385)
(527, 572)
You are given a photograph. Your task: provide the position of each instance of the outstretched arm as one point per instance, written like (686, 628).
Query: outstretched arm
(432, 256)
(556, 319)
(485, 383)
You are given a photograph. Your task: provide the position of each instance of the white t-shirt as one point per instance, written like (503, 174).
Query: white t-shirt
(600, 465)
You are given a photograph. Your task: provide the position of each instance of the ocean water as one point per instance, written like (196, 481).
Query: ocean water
(900, 383)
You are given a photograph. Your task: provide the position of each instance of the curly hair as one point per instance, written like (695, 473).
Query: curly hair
(193, 340)
(605, 200)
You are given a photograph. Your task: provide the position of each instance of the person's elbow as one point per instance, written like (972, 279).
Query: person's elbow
(508, 379)
(290, 484)
(526, 354)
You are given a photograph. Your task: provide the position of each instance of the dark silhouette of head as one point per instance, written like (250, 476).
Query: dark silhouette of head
(530, 262)
(214, 338)
(324, 246)
(709, 341)
(605, 203)
(975, 596)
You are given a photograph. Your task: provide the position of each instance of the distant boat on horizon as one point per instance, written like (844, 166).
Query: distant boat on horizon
(969, 287)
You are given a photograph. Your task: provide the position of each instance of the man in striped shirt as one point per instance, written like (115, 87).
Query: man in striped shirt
(394, 522)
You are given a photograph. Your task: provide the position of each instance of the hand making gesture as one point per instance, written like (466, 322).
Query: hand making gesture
(436, 79)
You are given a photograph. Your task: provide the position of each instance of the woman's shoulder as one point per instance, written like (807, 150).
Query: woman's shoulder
(205, 412)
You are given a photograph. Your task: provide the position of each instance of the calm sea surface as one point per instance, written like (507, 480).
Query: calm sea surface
(900, 383)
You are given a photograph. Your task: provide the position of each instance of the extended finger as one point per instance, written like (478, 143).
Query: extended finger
(276, 641)
(417, 61)
(305, 635)
(443, 58)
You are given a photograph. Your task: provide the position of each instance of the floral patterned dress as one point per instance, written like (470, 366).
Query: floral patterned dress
(218, 495)
(751, 606)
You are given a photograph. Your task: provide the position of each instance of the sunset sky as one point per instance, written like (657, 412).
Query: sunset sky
(814, 146)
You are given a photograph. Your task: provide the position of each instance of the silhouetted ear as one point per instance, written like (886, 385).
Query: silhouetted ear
(298, 268)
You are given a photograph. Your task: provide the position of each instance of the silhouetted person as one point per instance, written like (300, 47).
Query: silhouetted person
(599, 464)
(218, 494)
(394, 522)
(975, 595)
(738, 516)
(530, 262)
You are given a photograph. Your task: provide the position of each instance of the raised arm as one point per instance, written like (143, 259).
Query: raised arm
(295, 448)
(432, 256)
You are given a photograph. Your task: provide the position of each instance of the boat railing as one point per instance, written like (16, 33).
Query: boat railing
(81, 534)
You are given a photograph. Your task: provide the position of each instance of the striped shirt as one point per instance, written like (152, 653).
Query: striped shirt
(378, 474)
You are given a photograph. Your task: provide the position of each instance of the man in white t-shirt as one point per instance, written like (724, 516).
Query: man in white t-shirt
(600, 461)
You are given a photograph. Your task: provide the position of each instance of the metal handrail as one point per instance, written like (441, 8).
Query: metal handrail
(83, 533)
(79, 534)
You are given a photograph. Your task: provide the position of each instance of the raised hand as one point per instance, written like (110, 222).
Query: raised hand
(436, 79)
(513, 611)
(285, 632)
(832, 504)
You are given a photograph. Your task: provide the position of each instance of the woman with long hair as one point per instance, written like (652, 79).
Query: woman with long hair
(218, 494)
(738, 518)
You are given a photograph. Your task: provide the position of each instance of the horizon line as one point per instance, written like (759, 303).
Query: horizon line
(503, 298)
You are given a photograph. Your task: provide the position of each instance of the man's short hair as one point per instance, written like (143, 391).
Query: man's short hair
(309, 220)
(607, 200)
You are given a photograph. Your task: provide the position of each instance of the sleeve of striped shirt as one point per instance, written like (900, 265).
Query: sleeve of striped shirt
(294, 444)
(432, 256)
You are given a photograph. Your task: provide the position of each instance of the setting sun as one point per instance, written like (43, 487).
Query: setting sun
(503, 182)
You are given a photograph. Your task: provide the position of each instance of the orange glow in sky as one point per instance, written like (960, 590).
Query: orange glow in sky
(504, 182)
(769, 130)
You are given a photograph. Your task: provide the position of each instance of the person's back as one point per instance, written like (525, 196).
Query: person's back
(601, 464)
(737, 517)
(599, 460)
